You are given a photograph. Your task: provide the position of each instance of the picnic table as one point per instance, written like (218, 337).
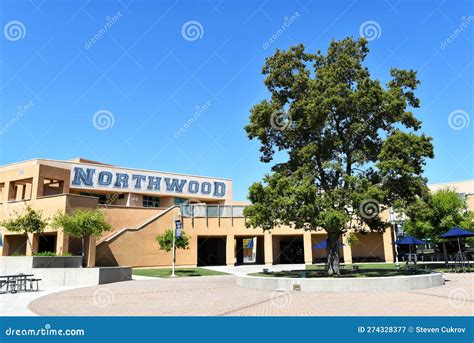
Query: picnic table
(18, 282)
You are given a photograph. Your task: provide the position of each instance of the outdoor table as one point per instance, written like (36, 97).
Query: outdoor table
(16, 279)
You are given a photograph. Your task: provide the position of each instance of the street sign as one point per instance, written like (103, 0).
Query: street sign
(179, 228)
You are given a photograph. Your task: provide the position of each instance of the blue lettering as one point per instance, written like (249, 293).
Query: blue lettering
(105, 178)
(138, 179)
(206, 188)
(154, 183)
(219, 189)
(83, 177)
(193, 187)
(175, 185)
(121, 181)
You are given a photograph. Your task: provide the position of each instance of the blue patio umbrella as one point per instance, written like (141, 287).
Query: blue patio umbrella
(457, 232)
(409, 240)
(324, 245)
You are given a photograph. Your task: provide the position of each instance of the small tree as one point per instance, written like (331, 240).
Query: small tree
(436, 213)
(166, 241)
(82, 224)
(30, 221)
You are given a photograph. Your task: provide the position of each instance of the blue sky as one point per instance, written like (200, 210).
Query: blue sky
(149, 77)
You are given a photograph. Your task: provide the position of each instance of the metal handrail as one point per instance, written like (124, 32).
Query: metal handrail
(211, 211)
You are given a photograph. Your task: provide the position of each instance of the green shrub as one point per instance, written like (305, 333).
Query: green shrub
(45, 253)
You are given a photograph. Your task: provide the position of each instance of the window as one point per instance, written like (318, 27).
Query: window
(179, 201)
(149, 201)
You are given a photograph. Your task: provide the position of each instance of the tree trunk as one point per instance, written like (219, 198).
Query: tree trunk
(445, 254)
(30, 244)
(333, 252)
(83, 251)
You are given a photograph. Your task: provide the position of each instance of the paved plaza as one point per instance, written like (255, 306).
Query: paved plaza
(219, 296)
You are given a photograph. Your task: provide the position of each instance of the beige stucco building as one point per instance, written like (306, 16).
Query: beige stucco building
(141, 204)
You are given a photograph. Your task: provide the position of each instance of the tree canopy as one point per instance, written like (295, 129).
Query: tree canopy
(346, 143)
(436, 213)
(82, 223)
(30, 221)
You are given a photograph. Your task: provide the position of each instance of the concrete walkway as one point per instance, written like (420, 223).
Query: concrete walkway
(219, 296)
(16, 304)
(255, 268)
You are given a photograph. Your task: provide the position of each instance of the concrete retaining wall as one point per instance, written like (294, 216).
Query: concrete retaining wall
(368, 284)
(81, 276)
(66, 276)
(15, 264)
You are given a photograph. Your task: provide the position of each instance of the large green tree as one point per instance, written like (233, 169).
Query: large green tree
(346, 143)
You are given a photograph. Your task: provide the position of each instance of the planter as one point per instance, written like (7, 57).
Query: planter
(57, 261)
(367, 284)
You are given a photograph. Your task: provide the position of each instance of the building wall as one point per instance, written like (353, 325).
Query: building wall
(133, 239)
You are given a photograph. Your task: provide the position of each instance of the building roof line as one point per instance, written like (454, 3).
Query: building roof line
(105, 165)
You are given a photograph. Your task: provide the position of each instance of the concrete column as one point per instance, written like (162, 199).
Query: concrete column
(387, 245)
(308, 248)
(230, 250)
(347, 250)
(91, 251)
(62, 243)
(6, 192)
(268, 248)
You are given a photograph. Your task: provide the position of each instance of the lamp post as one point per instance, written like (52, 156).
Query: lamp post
(397, 220)
(174, 246)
